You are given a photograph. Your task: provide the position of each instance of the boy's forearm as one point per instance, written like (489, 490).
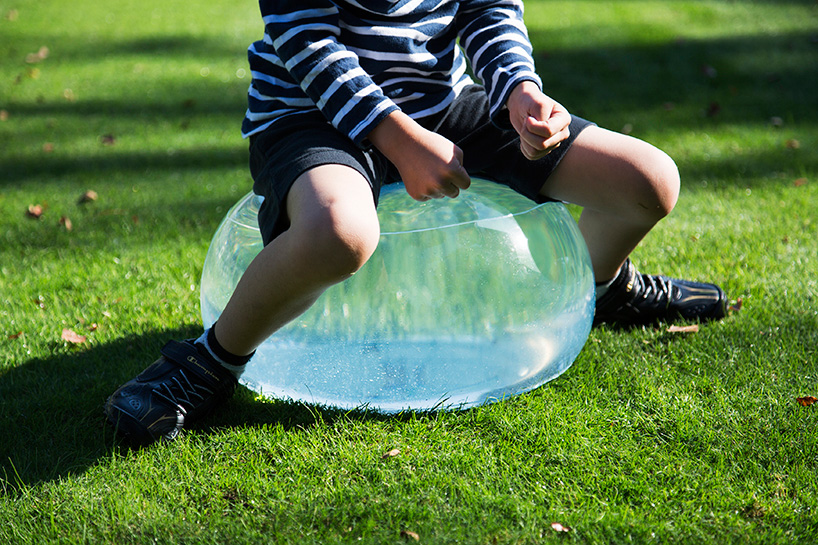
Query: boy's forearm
(392, 133)
(430, 165)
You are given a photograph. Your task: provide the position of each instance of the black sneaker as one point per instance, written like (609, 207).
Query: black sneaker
(179, 387)
(640, 299)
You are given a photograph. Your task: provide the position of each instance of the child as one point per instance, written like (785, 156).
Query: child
(350, 94)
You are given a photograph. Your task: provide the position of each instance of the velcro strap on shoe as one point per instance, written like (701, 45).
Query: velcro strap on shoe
(187, 356)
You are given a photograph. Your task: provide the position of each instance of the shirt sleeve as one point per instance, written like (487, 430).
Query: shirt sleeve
(494, 37)
(304, 35)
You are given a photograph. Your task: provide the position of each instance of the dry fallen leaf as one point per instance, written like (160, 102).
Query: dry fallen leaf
(34, 211)
(65, 221)
(800, 182)
(4, 115)
(16, 335)
(48, 147)
(71, 337)
(39, 56)
(806, 401)
(108, 139)
(694, 328)
(735, 307)
(792, 143)
(88, 196)
(392, 453)
(410, 535)
(557, 527)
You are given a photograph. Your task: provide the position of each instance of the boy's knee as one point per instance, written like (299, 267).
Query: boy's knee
(661, 184)
(341, 243)
(670, 183)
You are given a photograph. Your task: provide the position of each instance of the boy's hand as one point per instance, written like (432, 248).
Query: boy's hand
(541, 122)
(430, 165)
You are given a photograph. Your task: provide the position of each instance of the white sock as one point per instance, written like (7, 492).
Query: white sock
(236, 370)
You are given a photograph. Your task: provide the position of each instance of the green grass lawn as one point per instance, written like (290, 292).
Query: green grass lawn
(651, 436)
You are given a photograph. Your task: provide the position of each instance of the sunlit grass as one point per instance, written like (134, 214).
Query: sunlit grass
(651, 437)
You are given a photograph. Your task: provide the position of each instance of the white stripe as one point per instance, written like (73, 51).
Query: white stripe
(292, 102)
(293, 61)
(510, 83)
(510, 20)
(339, 81)
(354, 100)
(298, 15)
(290, 34)
(327, 60)
(354, 133)
(519, 50)
(260, 76)
(439, 107)
(511, 70)
(408, 8)
(412, 58)
(269, 57)
(408, 32)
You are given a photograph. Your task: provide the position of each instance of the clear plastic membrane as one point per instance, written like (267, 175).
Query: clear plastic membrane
(466, 301)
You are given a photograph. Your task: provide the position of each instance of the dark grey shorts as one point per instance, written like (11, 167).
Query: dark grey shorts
(280, 154)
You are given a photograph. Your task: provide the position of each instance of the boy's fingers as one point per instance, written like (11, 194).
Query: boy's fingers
(540, 148)
(532, 141)
(460, 178)
(529, 151)
(555, 140)
(537, 127)
(556, 122)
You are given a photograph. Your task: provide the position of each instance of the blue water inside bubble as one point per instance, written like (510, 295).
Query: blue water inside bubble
(465, 301)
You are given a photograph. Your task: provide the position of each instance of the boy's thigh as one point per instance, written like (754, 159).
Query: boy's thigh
(281, 155)
(606, 170)
(332, 199)
(494, 153)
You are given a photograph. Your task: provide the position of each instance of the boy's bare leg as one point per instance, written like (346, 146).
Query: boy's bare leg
(334, 230)
(625, 187)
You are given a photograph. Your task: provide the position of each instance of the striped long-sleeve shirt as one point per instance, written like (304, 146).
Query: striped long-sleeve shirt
(359, 60)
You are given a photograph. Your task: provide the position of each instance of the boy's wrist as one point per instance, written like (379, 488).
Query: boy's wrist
(391, 133)
(525, 87)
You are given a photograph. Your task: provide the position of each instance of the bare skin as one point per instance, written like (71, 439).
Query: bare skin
(623, 184)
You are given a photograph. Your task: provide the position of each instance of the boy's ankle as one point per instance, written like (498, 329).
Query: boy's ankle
(232, 362)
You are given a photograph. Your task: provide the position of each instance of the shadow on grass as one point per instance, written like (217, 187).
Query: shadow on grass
(737, 79)
(51, 419)
(52, 424)
(178, 46)
(700, 85)
(126, 163)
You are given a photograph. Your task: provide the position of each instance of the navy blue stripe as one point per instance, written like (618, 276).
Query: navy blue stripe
(358, 60)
